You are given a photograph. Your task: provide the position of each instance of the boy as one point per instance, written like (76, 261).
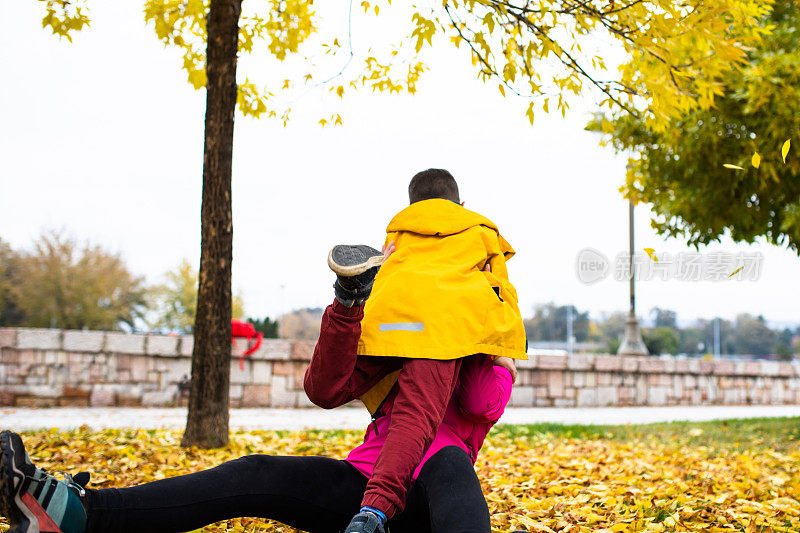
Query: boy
(442, 295)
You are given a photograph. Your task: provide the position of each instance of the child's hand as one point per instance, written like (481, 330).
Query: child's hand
(388, 250)
(508, 364)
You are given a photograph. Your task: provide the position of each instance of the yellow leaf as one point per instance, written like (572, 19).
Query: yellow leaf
(285, 84)
(529, 113)
(338, 121)
(651, 254)
(735, 272)
(756, 160)
(323, 122)
(733, 167)
(502, 90)
(340, 91)
(785, 149)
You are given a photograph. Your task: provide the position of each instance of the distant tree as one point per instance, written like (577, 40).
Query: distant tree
(664, 317)
(691, 340)
(10, 313)
(784, 347)
(661, 340)
(174, 302)
(612, 328)
(752, 336)
(549, 323)
(267, 327)
(62, 285)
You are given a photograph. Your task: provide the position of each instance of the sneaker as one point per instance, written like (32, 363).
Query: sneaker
(355, 267)
(365, 522)
(34, 501)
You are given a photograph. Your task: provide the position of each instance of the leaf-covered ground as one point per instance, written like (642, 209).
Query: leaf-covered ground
(718, 477)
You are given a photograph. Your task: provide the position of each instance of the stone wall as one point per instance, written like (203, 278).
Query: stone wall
(48, 367)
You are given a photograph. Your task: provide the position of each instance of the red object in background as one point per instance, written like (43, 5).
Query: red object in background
(245, 330)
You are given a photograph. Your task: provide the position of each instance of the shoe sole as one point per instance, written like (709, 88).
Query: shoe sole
(354, 269)
(12, 465)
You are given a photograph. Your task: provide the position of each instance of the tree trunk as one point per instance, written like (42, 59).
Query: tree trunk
(207, 422)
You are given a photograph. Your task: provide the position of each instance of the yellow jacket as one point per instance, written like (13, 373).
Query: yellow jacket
(432, 299)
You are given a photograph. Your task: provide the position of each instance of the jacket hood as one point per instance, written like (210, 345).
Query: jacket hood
(437, 217)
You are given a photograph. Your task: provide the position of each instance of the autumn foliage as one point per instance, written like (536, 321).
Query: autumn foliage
(712, 478)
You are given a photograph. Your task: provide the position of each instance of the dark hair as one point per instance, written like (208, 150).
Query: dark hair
(433, 183)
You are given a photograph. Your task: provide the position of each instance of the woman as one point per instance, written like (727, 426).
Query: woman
(316, 494)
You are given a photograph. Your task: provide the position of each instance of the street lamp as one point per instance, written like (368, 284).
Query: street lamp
(632, 343)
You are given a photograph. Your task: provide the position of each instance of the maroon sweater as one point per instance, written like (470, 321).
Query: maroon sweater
(337, 375)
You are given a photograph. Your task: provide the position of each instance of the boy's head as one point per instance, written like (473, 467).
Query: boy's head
(433, 183)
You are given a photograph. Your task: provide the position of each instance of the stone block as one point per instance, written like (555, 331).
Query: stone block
(652, 366)
(128, 343)
(160, 398)
(280, 393)
(236, 392)
(102, 397)
(607, 396)
(530, 362)
(579, 379)
(302, 350)
(256, 396)
(657, 395)
(630, 364)
(626, 395)
(564, 402)
(705, 366)
(581, 361)
(769, 368)
(724, 368)
(7, 397)
(9, 356)
(587, 397)
(522, 397)
(186, 345)
(139, 369)
(608, 363)
(273, 349)
(786, 369)
(540, 392)
(38, 339)
(39, 403)
(641, 390)
(683, 366)
(8, 338)
(83, 341)
(555, 384)
(299, 374)
(239, 376)
(282, 368)
(591, 379)
(164, 345)
(552, 362)
(262, 372)
(603, 379)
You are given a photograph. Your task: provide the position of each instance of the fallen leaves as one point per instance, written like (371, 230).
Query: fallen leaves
(534, 482)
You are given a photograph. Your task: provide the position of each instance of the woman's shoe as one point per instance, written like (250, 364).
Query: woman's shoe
(34, 501)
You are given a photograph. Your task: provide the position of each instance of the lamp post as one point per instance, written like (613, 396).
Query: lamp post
(632, 343)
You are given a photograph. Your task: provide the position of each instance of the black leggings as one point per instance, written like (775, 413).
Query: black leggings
(315, 494)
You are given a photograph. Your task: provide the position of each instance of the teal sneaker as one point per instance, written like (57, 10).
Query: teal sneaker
(32, 500)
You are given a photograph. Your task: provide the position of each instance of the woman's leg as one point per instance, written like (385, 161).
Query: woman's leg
(316, 494)
(446, 497)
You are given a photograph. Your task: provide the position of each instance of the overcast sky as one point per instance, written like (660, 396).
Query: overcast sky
(103, 138)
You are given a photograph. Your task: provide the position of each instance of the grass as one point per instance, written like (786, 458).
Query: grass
(778, 434)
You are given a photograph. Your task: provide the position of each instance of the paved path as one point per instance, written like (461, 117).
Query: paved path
(21, 419)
